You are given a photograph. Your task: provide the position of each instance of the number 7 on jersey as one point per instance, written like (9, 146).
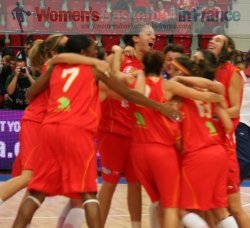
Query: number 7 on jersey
(72, 74)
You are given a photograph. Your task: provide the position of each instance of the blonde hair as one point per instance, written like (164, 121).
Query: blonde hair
(41, 50)
(37, 55)
(52, 43)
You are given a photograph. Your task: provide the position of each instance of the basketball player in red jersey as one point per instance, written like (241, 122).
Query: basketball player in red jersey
(31, 122)
(114, 133)
(152, 132)
(74, 171)
(32, 118)
(223, 46)
(199, 153)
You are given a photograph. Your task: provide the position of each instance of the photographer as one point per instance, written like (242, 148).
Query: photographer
(16, 86)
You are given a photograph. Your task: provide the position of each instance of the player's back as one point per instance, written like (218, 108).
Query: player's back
(149, 126)
(74, 97)
(198, 126)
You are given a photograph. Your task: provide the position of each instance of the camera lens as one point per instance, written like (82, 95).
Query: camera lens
(23, 70)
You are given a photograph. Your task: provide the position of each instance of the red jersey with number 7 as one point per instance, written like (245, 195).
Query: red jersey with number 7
(198, 127)
(74, 97)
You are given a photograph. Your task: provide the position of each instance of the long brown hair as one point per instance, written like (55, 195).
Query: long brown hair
(200, 68)
(227, 51)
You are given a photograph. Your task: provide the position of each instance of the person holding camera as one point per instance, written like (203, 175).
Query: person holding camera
(16, 86)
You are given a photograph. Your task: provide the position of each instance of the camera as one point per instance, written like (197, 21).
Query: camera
(23, 70)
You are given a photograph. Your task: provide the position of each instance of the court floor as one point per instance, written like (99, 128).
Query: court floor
(46, 216)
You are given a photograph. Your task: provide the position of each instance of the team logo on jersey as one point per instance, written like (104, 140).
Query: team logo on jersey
(140, 120)
(64, 104)
(109, 172)
(105, 170)
(130, 70)
(124, 103)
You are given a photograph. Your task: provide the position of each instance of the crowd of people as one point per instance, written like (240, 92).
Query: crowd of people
(164, 120)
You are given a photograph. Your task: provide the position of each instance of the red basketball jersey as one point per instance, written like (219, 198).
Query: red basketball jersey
(198, 127)
(74, 97)
(116, 115)
(142, 3)
(37, 109)
(224, 75)
(149, 126)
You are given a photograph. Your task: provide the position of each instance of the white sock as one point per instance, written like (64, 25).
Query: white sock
(63, 215)
(75, 218)
(228, 222)
(192, 220)
(1, 201)
(135, 224)
(153, 215)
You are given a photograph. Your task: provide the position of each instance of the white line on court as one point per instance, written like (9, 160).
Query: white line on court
(52, 217)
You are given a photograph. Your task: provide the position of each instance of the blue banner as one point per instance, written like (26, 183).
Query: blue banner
(10, 125)
(9, 137)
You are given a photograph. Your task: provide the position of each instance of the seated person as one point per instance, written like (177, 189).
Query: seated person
(211, 18)
(164, 20)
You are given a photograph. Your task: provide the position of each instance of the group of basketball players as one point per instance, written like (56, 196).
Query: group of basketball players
(178, 142)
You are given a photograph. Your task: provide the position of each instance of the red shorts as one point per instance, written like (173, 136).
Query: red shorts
(29, 137)
(66, 161)
(157, 168)
(233, 182)
(115, 157)
(204, 179)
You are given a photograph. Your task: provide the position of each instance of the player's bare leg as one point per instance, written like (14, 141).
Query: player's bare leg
(105, 198)
(92, 210)
(235, 208)
(28, 208)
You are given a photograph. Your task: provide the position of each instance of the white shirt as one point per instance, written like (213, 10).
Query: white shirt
(245, 106)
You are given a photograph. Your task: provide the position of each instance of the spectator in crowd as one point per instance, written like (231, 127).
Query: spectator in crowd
(4, 62)
(23, 54)
(2, 47)
(16, 86)
(210, 20)
(164, 20)
(120, 5)
(184, 9)
(142, 5)
(142, 11)
(6, 70)
(242, 132)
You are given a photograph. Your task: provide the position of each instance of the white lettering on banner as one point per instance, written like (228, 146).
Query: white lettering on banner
(2, 149)
(10, 154)
(16, 148)
(13, 126)
(2, 126)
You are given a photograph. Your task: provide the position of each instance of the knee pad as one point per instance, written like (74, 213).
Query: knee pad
(90, 201)
(35, 200)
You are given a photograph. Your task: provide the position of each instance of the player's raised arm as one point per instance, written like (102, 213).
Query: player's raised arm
(136, 97)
